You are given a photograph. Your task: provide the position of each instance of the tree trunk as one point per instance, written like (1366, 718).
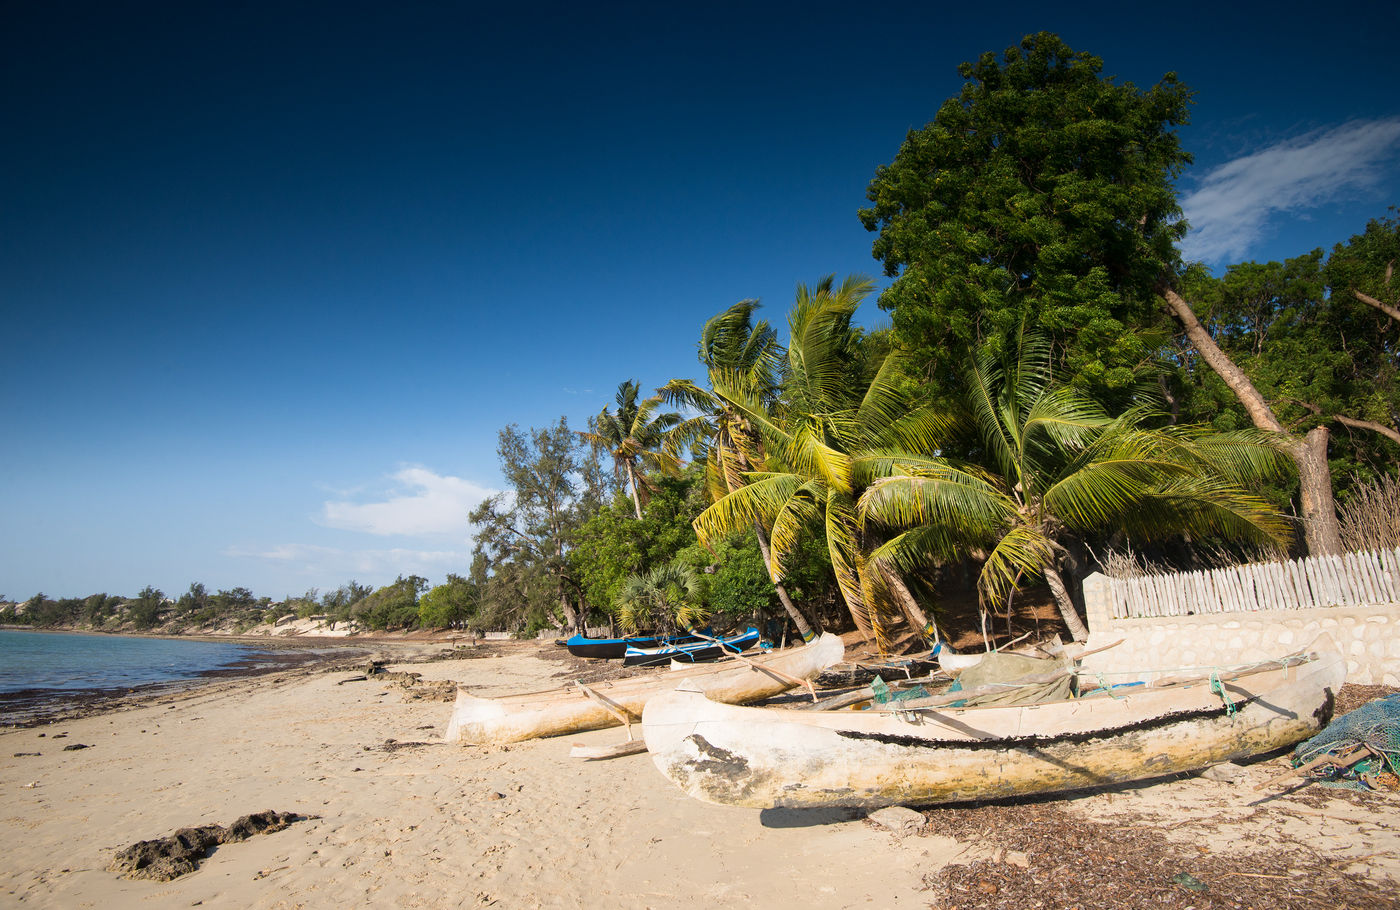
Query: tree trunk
(632, 484)
(571, 615)
(1320, 530)
(1077, 630)
(913, 613)
(794, 614)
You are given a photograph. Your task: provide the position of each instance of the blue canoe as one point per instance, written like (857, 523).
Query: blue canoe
(580, 646)
(695, 652)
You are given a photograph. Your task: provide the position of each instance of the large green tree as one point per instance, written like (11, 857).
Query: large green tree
(746, 360)
(523, 536)
(449, 605)
(635, 438)
(612, 545)
(1040, 195)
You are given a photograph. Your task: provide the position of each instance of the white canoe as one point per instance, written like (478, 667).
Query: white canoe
(771, 757)
(573, 708)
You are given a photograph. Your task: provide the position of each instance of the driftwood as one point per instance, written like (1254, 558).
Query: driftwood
(616, 750)
(1345, 760)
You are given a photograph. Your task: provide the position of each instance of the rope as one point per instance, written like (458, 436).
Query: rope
(1217, 687)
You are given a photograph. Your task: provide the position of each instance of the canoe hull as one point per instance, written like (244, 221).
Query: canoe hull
(771, 758)
(697, 651)
(571, 710)
(582, 646)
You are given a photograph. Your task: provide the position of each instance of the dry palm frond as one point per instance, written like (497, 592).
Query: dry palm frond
(1370, 518)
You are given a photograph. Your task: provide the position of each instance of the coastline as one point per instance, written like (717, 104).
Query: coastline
(273, 655)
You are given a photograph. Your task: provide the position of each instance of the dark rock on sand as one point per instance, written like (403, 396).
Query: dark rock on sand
(170, 857)
(76, 746)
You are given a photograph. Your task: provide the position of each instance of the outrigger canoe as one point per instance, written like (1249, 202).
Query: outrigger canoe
(699, 650)
(582, 646)
(908, 755)
(577, 707)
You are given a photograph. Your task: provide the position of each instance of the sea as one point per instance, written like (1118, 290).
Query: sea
(46, 672)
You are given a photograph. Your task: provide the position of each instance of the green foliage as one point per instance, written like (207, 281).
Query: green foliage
(145, 611)
(846, 409)
(1040, 195)
(667, 598)
(394, 606)
(634, 437)
(613, 545)
(523, 539)
(1317, 353)
(448, 606)
(1054, 464)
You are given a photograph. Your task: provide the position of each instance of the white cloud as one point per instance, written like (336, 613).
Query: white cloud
(317, 563)
(422, 504)
(1230, 208)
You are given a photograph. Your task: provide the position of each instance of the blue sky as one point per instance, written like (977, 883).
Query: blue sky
(274, 275)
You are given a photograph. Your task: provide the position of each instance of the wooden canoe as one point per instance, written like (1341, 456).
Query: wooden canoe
(781, 758)
(574, 707)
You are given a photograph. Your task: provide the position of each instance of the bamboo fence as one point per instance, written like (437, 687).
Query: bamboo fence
(1352, 579)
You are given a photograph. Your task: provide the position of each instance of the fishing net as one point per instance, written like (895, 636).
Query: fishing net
(1376, 726)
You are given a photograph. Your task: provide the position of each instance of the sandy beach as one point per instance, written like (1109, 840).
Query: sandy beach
(397, 818)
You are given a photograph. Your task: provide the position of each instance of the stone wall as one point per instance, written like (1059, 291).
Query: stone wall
(1368, 636)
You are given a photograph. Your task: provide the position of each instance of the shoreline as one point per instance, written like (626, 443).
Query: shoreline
(28, 708)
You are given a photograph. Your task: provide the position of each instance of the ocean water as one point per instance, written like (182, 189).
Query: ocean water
(60, 663)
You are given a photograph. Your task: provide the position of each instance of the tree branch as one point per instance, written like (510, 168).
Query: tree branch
(1218, 360)
(1385, 308)
(1388, 432)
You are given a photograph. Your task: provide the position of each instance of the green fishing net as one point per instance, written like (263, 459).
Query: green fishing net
(884, 695)
(1376, 724)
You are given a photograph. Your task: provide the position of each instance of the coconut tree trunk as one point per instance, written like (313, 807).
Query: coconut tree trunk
(632, 485)
(1321, 532)
(793, 613)
(913, 613)
(1075, 626)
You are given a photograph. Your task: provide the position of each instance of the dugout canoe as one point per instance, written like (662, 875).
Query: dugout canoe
(699, 650)
(576, 707)
(781, 758)
(583, 646)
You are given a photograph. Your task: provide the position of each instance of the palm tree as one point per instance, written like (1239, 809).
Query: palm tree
(846, 411)
(1050, 464)
(745, 358)
(634, 437)
(666, 597)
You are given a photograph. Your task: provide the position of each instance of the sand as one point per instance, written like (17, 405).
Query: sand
(400, 819)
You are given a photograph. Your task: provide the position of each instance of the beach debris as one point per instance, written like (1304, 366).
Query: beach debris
(1226, 773)
(1358, 750)
(351, 679)
(899, 819)
(413, 685)
(1189, 882)
(26, 754)
(170, 857)
(615, 750)
(76, 746)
